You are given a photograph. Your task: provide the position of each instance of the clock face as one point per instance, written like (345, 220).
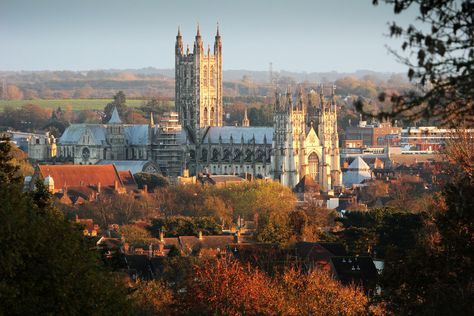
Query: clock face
(86, 153)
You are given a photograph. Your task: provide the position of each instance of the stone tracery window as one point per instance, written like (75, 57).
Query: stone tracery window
(313, 162)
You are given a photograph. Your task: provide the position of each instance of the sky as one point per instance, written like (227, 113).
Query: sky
(294, 35)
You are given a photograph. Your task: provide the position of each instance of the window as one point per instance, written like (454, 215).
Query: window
(313, 162)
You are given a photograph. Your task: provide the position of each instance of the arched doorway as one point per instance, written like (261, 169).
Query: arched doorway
(313, 162)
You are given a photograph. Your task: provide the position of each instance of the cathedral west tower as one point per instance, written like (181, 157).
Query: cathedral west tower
(198, 87)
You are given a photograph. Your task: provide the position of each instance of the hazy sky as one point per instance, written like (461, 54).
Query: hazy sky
(296, 35)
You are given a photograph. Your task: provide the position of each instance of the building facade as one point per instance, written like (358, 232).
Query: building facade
(198, 75)
(87, 144)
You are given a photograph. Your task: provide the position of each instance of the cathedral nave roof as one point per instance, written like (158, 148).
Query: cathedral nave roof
(237, 133)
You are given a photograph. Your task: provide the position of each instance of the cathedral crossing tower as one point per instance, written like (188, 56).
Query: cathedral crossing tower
(198, 77)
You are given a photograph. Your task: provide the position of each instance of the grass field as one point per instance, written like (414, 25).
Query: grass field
(76, 104)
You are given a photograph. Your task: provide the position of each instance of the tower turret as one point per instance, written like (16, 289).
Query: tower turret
(245, 121)
(218, 42)
(179, 43)
(198, 42)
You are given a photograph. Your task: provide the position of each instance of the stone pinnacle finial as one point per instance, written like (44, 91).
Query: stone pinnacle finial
(179, 32)
(198, 34)
(217, 33)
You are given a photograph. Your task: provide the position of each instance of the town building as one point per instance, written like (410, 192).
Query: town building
(74, 184)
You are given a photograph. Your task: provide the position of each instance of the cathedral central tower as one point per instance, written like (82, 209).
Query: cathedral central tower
(198, 83)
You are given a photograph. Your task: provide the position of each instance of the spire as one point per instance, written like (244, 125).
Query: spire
(300, 99)
(115, 118)
(245, 121)
(198, 42)
(217, 42)
(277, 101)
(179, 43)
(333, 98)
(152, 121)
(198, 33)
(323, 100)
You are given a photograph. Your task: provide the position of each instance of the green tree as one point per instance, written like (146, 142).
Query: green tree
(120, 103)
(184, 226)
(151, 180)
(46, 266)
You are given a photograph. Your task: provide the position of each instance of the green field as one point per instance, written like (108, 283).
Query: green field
(76, 104)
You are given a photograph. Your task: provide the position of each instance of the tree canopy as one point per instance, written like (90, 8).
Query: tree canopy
(439, 52)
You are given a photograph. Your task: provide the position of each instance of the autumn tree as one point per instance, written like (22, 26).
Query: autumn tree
(153, 298)
(225, 287)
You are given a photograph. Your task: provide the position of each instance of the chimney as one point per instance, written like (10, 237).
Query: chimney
(200, 235)
(99, 187)
(161, 248)
(116, 186)
(126, 247)
(145, 188)
(162, 236)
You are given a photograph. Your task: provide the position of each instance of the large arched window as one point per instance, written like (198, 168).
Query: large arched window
(313, 162)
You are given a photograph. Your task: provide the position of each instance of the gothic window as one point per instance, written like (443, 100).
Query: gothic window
(313, 162)
(205, 117)
(237, 156)
(227, 155)
(212, 117)
(204, 154)
(212, 77)
(260, 155)
(205, 76)
(192, 155)
(86, 153)
(248, 155)
(215, 155)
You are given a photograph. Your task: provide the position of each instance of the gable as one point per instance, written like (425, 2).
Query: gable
(312, 138)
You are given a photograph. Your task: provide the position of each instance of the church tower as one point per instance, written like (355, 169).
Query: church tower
(198, 83)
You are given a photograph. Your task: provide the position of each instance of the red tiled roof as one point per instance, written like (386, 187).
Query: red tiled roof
(126, 177)
(81, 175)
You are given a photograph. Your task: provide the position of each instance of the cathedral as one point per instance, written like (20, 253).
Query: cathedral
(302, 142)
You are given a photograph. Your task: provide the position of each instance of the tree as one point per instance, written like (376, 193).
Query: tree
(152, 298)
(184, 226)
(317, 293)
(120, 103)
(443, 43)
(8, 168)
(225, 287)
(151, 180)
(435, 276)
(46, 266)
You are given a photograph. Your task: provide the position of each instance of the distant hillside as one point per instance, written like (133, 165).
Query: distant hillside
(148, 82)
